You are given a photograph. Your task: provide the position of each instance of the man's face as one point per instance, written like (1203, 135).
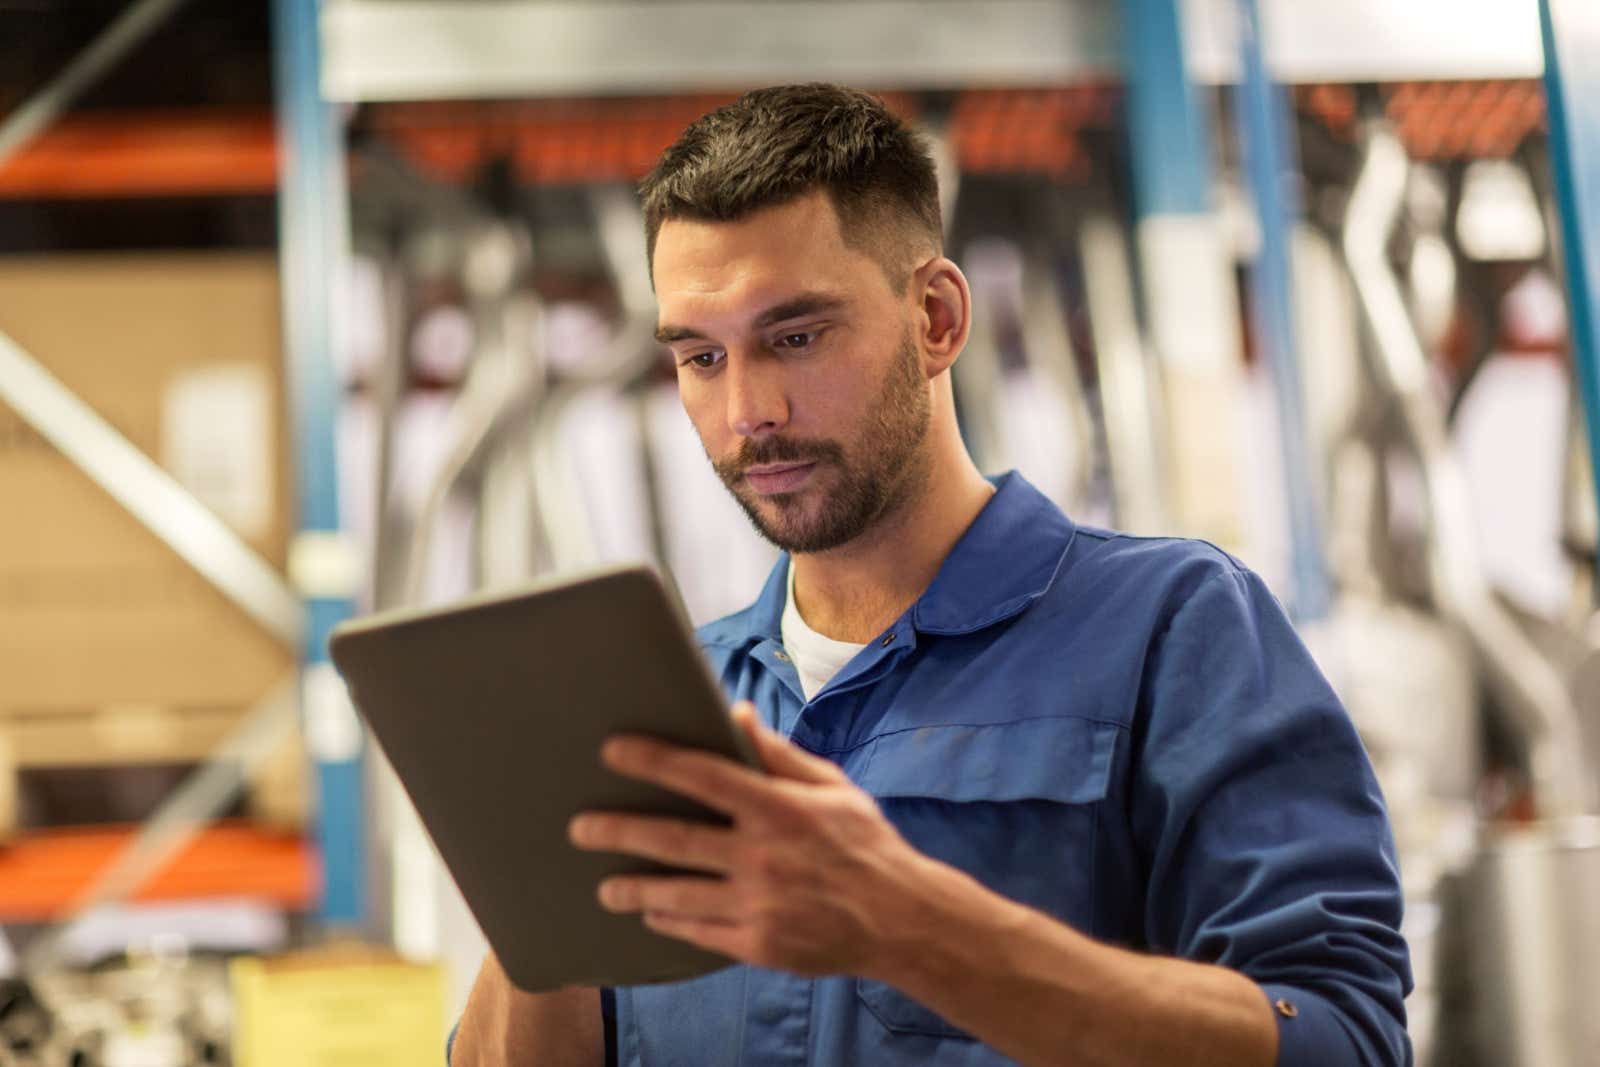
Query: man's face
(798, 367)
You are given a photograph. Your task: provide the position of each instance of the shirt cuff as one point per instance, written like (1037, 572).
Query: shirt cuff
(1310, 1033)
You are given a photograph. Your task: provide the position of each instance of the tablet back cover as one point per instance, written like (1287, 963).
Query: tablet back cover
(492, 714)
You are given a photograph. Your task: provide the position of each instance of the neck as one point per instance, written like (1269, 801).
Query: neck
(854, 592)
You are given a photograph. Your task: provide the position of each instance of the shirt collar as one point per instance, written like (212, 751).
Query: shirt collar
(1005, 560)
(762, 620)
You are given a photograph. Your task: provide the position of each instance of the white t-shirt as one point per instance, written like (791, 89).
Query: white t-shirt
(816, 657)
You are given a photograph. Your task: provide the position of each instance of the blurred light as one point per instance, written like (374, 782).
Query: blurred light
(441, 347)
(1499, 218)
(1432, 279)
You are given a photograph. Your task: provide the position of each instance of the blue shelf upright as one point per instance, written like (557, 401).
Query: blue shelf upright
(313, 233)
(1266, 137)
(1190, 306)
(1572, 90)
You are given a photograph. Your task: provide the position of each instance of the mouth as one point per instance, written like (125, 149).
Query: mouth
(770, 479)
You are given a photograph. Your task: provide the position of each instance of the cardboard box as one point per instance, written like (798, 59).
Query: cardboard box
(181, 353)
(350, 1007)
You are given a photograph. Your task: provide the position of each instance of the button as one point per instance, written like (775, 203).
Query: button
(783, 657)
(1286, 1008)
(888, 639)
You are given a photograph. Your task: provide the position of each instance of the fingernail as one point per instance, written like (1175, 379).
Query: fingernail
(580, 829)
(610, 894)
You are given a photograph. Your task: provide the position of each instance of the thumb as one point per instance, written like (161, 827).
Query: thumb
(778, 755)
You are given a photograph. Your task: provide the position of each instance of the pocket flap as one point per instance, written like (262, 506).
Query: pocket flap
(1061, 758)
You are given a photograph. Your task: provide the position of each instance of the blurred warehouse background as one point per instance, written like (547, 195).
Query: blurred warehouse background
(310, 309)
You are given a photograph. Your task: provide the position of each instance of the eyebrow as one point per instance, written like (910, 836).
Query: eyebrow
(797, 307)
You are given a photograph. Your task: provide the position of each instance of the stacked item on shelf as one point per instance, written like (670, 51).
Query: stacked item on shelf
(116, 652)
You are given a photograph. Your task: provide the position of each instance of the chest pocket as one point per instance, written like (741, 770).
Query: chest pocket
(1013, 804)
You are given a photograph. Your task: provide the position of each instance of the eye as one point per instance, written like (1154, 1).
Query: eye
(797, 339)
(704, 360)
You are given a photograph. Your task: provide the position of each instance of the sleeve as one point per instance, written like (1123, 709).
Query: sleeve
(1263, 830)
(608, 1017)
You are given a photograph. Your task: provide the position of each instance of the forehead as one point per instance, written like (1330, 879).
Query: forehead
(708, 270)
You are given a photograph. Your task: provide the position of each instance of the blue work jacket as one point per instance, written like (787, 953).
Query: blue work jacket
(1123, 732)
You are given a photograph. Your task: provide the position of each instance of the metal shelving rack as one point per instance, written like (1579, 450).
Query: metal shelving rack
(349, 51)
(435, 49)
(298, 609)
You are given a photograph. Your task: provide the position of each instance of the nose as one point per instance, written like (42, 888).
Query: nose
(756, 402)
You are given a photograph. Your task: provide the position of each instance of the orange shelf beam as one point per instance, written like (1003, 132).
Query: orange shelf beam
(42, 873)
(618, 139)
(147, 155)
(1440, 121)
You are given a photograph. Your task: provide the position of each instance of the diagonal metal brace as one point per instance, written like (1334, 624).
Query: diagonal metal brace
(149, 493)
(124, 34)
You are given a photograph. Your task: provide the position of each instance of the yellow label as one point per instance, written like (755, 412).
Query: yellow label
(328, 1014)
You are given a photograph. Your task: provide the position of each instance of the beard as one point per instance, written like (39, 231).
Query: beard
(882, 469)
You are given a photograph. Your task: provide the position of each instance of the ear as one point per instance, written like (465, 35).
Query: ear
(944, 312)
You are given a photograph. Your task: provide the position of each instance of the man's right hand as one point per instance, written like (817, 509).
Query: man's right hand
(505, 1027)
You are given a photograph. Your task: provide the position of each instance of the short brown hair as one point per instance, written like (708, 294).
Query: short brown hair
(774, 145)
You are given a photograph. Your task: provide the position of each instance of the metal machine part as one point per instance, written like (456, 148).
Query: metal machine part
(504, 446)
(976, 375)
(1528, 685)
(627, 363)
(502, 386)
(1051, 354)
(1530, 932)
(504, 382)
(162, 1007)
(1532, 928)
(1580, 520)
(1127, 400)
(1017, 381)
(1328, 336)
(27, 1028)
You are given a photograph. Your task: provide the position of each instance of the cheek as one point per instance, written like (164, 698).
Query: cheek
(837, 398)
(700, 404)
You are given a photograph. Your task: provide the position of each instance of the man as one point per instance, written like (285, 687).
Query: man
(1036, 792)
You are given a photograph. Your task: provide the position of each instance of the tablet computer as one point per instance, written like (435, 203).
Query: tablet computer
(492, 712)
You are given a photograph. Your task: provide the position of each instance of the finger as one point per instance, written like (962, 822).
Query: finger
(725, 939)
(717, 782)
(701, 898)
(682, 844)
(779, 755)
